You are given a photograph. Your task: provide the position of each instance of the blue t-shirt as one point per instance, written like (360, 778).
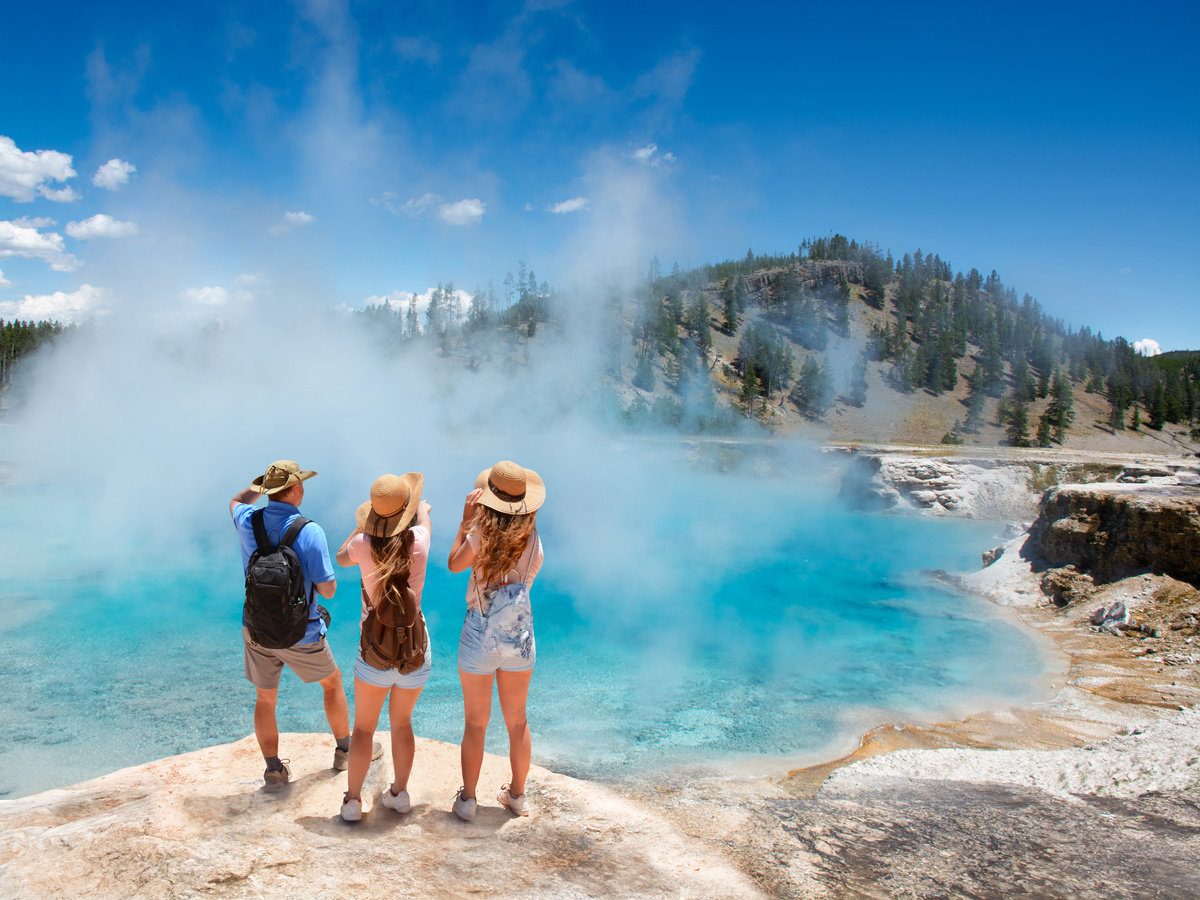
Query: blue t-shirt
(310, 546)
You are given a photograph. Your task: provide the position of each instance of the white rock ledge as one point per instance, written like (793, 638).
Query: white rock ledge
(199, 825)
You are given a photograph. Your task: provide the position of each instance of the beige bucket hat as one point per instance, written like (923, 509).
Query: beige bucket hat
(508, 488)
(280, 476)
(393, 504)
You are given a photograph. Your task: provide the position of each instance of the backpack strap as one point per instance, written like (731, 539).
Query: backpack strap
(293, 531)
(260, 530)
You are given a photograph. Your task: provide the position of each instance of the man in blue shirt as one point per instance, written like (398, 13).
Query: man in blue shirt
(310, 658)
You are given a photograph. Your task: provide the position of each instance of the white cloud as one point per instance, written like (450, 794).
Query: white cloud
(34, 222)
(18, 239)
(575, 204)
(4, 282)
(205, 296)
(464, 212)
(421, 205)
(649, 156)
(1147, 347)
(387, 200)
(212, 296)
(1126, 271)
(24, 175)
(113, 174)
(59, 306)
(528, 207)
(291, 220)
(101, 226)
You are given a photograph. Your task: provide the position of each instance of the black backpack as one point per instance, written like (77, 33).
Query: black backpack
(276, 607)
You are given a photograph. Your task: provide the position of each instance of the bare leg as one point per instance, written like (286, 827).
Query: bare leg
(513, 688)
(404, 745)
(265, 728)
(337, 712)
(477, 709)
(368, 700)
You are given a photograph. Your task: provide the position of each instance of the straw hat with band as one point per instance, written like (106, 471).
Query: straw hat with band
(393, 503)
(280, 476)
(508, 488)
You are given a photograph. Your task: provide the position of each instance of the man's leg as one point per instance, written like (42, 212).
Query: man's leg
(337, 711)
(265, 728)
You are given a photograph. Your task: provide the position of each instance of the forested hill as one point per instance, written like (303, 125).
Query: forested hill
(817, 332)
(838, 339)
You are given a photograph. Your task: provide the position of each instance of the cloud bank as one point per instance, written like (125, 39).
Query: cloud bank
(24, 176)
(101, 226)
(17, 238)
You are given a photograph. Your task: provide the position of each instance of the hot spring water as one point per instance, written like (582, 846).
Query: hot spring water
(723, 617)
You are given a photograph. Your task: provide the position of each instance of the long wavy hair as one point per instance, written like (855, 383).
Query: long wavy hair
(502, 540)
(393, 562)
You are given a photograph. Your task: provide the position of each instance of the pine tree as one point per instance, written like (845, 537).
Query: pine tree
(731, 309)
(644, 376)
(1018, 423)
(856, 388)
(749, 387)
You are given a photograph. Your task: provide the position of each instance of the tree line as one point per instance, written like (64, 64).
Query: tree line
(19, 339)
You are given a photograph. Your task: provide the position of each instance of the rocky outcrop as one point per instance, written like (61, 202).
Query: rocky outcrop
(1111, 530)
(971, 488)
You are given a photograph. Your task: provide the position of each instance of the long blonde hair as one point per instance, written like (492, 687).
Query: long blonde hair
(393, 562)
(502, 540)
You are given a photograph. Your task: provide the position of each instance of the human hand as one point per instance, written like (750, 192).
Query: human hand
(471, 504)
(423, 508)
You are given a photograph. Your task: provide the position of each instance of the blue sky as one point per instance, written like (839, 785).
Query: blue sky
(334, 152)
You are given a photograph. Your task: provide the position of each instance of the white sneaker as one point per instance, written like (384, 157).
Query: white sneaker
(516, 803)
(399, 802)
(464, 808)
(351, 809)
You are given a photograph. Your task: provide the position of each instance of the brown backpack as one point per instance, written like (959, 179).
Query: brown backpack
(394, 635)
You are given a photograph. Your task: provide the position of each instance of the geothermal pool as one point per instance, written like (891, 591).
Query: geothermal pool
(706, 620)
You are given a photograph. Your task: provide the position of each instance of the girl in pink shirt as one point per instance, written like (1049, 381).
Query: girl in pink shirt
(391, 548)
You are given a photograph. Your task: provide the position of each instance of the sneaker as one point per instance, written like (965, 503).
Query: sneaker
(351, 809)
(275, 779)
(516, 803)
(341, 758)
(464, 808)
(399, 802)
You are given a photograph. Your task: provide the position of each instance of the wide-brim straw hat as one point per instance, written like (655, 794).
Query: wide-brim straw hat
(393, 503)
(509, 488)
(280, 476)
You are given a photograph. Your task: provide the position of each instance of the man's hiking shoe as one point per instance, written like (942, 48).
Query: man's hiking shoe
(341, 758)
(517, 804)
(464, 808)
(351, 809)
(399, 802)
(275, 779)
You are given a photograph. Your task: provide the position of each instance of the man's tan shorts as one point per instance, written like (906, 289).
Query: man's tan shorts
(311, 662)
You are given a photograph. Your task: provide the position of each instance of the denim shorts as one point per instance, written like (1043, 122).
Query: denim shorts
(386, 678)
(472, 659)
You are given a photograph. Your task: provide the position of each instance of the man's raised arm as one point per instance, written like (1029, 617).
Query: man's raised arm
(249, 495)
